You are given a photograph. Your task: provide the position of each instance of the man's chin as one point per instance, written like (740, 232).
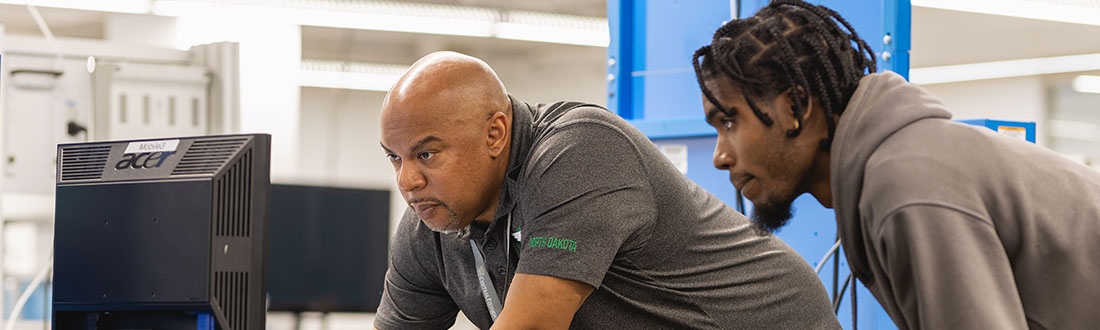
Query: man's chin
(443, 225)
(446, 224)
(771, 215)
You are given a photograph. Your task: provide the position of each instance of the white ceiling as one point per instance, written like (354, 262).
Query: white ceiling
(940, 37)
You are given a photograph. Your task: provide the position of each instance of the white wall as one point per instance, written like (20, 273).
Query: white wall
(1015, 99)
(548, 77)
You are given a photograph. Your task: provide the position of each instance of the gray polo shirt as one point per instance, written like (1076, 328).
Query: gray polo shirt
(592, 200)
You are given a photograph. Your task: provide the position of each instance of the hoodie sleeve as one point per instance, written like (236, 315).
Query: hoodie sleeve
(947, 269)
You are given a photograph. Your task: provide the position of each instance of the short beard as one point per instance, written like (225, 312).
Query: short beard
(450, 227)
(772, 215)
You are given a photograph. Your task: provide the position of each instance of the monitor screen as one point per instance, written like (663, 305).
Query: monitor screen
(328, 248)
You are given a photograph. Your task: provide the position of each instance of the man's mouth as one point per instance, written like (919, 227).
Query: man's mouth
(739, 182)
(423, 209)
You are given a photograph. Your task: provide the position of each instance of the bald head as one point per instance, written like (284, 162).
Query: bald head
(448, 85)
(446, 128)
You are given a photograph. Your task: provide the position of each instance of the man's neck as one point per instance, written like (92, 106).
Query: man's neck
(501, 164)
(820, 182)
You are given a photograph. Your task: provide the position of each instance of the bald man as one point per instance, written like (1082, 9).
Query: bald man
(564, 216)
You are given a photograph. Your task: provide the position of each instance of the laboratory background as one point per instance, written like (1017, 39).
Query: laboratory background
(313, 74)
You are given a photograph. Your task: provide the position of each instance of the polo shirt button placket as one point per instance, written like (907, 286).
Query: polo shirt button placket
(501, 271)
(491, 245)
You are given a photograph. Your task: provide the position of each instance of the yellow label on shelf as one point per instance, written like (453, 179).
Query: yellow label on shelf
(1013, 131)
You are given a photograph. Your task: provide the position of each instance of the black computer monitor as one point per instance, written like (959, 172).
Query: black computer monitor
(328, 248)
(162, 234)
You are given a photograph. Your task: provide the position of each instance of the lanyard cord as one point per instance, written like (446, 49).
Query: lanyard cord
(488, 290)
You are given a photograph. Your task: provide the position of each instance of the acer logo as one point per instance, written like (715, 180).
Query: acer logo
(143, 160)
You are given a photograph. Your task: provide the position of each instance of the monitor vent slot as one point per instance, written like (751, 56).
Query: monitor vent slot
(83, 162)
(232, 194)
(207, 156)
(231, 291)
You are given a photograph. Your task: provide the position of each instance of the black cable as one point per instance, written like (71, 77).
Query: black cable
(740, 202)
(855, 310)
(836, 301)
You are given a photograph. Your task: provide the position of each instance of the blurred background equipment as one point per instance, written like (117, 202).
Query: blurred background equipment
(328, 250)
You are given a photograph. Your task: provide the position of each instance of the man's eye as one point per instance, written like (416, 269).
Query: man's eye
(393, 158)
(426, 155)
(727, 123)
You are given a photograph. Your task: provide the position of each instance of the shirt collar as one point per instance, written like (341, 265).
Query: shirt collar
(522, 130)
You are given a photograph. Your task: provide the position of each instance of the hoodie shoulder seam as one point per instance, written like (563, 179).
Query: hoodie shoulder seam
(889, 215)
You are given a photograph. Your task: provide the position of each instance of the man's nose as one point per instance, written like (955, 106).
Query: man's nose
(723, 158)
(410, 178)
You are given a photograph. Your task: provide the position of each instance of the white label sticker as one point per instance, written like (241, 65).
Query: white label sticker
(1016, 132)
(152, 146)
(677, 153)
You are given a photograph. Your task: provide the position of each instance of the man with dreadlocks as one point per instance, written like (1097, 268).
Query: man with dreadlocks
(951, 226)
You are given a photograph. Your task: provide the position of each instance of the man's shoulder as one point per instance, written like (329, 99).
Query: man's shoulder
(564, 113)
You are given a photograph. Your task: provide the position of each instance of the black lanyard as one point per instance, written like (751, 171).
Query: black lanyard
(488, 290)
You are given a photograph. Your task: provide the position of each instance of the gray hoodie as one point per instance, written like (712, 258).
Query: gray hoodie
(953, 226)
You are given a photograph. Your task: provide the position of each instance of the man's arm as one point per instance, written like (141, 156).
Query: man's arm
(541, 302)
(948, 270)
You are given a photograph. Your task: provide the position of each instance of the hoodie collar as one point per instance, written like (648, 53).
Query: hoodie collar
(882, 104)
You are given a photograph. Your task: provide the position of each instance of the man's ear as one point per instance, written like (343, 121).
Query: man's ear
(799, 106)
(498, 134)
(803, 99)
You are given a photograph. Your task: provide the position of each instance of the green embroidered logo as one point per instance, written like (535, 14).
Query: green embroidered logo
(553, 243)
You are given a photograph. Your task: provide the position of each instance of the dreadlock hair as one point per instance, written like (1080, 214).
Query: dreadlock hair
(788, 45)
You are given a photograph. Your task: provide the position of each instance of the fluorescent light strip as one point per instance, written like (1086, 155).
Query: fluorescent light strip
(330, 18)
(1058, 11)
(403, 17)
(370, 15)
(1004, 69)
(1086, 84)
(350, 75)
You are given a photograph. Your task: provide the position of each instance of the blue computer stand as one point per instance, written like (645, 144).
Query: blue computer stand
(205, 321)
(651, 83)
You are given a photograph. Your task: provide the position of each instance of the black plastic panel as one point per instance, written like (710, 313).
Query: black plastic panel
(140, 242)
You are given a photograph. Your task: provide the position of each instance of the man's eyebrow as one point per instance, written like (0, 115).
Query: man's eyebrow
(716, 109)
(421, 143)
(712, 111)
(426, 140)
